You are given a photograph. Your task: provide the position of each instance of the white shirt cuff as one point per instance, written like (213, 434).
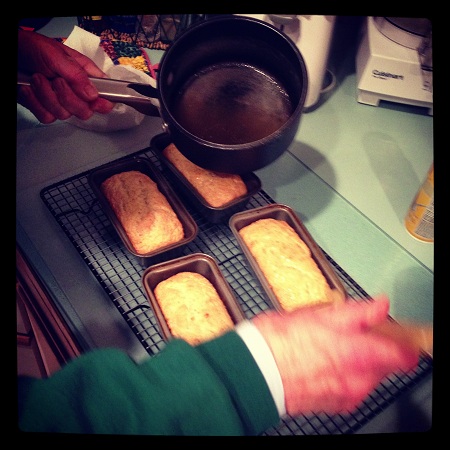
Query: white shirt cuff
(264, 358)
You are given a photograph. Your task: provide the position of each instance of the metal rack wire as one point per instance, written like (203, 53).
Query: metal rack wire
(75, 208)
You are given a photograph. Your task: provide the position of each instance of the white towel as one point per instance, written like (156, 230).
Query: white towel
(122, 116)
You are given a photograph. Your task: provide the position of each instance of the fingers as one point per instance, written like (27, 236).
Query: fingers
(79, 100)
(382, 357)
(77, 71)
(330, 358)
(52, 100)
(356, 316)
(349, 316)
(60, 87)
(376, 312)
(75, 68)
(27, 98)
(393, 353)
(80, 97)
(52, 95)
(86, 63)
(77, 84)
(340, 375)
(102, 106)
(73, 103)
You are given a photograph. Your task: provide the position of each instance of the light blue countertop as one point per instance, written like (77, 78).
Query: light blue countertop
(350, 174)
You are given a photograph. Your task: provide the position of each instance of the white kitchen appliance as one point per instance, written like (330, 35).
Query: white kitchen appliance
(394, 62)
(312, 34)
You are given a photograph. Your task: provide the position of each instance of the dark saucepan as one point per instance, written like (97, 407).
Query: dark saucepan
(232, 91)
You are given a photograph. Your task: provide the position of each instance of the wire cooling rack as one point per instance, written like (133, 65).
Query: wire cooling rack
(77, 211)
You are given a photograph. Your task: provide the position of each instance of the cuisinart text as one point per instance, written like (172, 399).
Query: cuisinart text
(379, 74)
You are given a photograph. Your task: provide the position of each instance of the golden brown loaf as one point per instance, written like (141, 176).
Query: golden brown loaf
(286, 262)
(144, 212)
(192, 307)
(216, 188)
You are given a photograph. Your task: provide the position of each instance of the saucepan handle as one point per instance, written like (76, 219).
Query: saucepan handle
(143, 97)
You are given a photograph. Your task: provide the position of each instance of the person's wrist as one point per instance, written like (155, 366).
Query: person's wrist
(263, 357)
(274, 329)
(269, 325)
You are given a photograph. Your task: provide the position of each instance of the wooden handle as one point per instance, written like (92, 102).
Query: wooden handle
(419, 336)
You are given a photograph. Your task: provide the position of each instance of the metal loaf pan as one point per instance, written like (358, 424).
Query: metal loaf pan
(283, 212)
(196, 262)
(96, 178)
(212, 214)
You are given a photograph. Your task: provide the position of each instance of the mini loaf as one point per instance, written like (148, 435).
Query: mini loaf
(286, 263)
(192, 307)
(216, 188)
(144, 212)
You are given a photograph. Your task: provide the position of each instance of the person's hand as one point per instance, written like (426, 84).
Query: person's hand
(60, 87)
(329, 358)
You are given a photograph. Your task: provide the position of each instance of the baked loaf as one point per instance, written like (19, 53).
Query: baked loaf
(144, 212)
(286, 263)
(216, 188)
(192, 307)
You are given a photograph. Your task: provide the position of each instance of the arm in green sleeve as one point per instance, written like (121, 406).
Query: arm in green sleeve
(212, 389)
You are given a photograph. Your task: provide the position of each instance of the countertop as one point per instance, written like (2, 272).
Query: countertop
(350, 174)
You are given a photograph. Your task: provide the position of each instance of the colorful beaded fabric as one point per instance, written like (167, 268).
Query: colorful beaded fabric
(122, 52)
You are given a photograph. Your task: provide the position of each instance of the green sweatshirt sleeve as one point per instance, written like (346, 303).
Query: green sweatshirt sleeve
(212, 389)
